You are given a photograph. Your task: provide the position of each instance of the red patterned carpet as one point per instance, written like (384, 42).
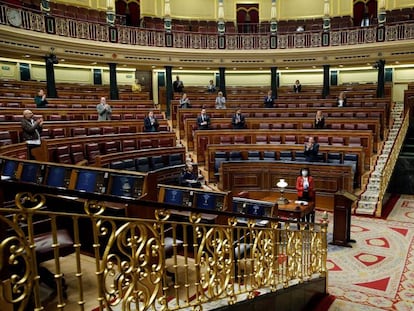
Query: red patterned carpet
(377, 273)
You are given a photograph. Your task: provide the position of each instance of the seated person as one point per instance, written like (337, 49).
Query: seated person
(40, 99)
(189, 178)
(220, 101)
(341, 100)
(319, 120)
(211, 88)
(150, 123)
(184, 101)
(311, 150)
(203, 120)
(238, 120)
(269, 100)
(297, 87)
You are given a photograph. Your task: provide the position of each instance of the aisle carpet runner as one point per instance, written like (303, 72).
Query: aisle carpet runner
(377, 273)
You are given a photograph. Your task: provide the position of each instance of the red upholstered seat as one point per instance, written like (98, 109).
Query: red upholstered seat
(128, 144)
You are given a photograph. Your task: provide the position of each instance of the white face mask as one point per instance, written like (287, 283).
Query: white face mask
(304, 173)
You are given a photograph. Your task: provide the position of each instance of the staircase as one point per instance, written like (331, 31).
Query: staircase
(371, 199)
(402, 180)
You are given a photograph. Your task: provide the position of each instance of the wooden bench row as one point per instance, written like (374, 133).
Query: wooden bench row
(68, 114)
(18, 102)
(258, 104)
(379, 113)
(71, 94)
(328, 154)
(60, 129)
(204, 138)
(90, 146)
(370, 124)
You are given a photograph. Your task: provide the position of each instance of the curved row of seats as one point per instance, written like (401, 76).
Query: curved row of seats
(149, 163)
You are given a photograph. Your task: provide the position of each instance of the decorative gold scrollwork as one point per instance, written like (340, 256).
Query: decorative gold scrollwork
(16, 265)
(133, 266)
(28, 201)
(94, 207)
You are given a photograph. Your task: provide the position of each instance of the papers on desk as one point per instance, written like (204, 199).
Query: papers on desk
(258, 222)
(5, 177)
(301, 202)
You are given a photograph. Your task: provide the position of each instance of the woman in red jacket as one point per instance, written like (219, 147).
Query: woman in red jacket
(305, 186)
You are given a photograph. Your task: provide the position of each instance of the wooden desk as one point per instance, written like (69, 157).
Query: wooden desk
(296, 211)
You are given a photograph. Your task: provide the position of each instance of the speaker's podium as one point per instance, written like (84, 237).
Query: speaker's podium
(343, 201)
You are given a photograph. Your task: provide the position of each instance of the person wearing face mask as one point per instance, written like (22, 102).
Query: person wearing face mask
(305, 186)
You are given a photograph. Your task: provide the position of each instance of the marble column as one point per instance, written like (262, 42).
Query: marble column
(326, 80)
(168, 89)
(113, 86)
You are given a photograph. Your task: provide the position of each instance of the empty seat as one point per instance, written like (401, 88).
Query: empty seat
(351, 159)
(92, 151)
(175, 159)
(285, 155)
(45, 133)
(5, 138)
(165, 142)
(94, 131)
(277, 126)
(261, 139)
(349, 126)
(110, 147)
(264, 126)
(290, 139)
(226, 140)
(157, 162)
(77, 153)
(55, 117)
(79, 131)
(142, 164)
(275, 139)
(58, 133)
(336, 126)
(117, 165)
(145, 144)
(219, 157)
(129, 165)
(354, 141)
(128, 144)
(235, 156)
(300, 156)
(334, 157)
(62, 155)
(240, 139)
(337, 141)
(269, 155)
(362, 126)
(126, 129)
(108, 130)
(323, 140)
(253, 155)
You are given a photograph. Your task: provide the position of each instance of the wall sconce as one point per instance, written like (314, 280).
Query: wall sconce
(282, 184)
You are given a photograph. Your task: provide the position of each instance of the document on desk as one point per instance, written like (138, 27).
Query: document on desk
(301, 202)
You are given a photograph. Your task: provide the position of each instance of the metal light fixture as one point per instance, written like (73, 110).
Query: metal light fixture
(282, 184)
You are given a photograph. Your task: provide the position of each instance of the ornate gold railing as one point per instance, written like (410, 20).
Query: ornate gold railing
(81, 29)
(131, 267)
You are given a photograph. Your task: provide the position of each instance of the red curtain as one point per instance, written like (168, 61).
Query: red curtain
(247, 17)
(359, 8)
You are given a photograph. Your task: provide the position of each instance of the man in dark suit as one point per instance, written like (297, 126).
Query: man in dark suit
(311, 150)
(151, 123)
(297, 87)
(238, 120)
(203, 120)
(178, 85)
(269, 100)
